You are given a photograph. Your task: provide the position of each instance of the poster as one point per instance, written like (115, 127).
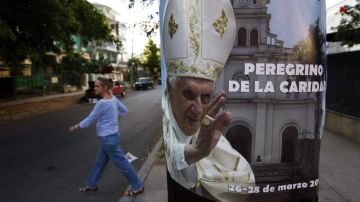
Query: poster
(244, 97)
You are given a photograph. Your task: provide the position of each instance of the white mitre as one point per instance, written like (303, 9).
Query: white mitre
(198, 37)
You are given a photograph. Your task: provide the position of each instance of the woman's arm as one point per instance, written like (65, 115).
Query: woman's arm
(95, 113)
(121, 108)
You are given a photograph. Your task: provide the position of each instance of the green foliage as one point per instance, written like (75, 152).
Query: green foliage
(5, 31)
(76, 63)
(93, 25)
(348, 31)
(72, 62)
(97, 66)
(151, 59)
(34, 28)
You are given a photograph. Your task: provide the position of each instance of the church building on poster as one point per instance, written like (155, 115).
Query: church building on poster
(277, 132)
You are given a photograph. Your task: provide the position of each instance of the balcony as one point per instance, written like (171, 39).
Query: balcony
(107, 47)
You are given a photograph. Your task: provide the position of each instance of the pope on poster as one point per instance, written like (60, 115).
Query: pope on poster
(197, 37)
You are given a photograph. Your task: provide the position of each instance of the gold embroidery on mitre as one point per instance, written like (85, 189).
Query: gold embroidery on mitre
(194, 35)
(179, 66)
(172, 26)
(211, 71)
(221, 24)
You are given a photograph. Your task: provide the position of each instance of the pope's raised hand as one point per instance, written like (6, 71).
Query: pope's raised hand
(209, 134)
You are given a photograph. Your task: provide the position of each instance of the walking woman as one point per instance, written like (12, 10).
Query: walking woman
(106, 113)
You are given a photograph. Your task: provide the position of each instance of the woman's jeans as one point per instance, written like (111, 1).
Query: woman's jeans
(109, 149)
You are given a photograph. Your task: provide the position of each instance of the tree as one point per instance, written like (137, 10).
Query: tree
(151, 59)
(348, 31)
(33, 29)
(133, 65)
(98, 66)
(73, 61)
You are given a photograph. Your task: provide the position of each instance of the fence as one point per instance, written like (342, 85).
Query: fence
(30, 85)
(40, 83)
(343, 83)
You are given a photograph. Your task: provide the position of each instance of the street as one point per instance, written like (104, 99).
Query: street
(42, 161)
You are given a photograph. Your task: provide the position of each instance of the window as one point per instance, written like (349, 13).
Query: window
(289, 145)
(242, 37)
(254, 1)
(254, 38)
(240, 139)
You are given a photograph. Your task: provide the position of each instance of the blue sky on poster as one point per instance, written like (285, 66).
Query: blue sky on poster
(135, 38)
(290, 19)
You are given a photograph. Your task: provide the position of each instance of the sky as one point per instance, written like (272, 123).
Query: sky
(290, 19)
(283, 15)
(332, 3)
(135, 38)
(333, 17)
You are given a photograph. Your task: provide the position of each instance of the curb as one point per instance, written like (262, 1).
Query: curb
(144, 170)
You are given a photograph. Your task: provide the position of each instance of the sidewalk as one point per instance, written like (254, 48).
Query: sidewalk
(18, 109)
(339, 169)
(153, 173)
(339, 172)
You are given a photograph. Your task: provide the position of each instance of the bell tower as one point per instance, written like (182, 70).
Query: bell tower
(252, 24)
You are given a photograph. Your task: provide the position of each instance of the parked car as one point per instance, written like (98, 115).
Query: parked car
(144, 83)
(118, 89)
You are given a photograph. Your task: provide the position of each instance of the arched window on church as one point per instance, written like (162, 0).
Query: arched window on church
(254, 38)
(289, 145)
(242, 37)
(240, 139)
(254, 1)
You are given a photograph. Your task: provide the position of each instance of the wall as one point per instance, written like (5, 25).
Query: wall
(346, 125)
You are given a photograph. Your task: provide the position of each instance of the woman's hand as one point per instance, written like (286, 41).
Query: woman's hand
(74, 127)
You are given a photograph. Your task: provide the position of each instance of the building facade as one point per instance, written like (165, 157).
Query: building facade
(109, 50)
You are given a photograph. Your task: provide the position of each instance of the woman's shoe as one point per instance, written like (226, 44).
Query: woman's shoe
(88, 189)
(134, 192)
